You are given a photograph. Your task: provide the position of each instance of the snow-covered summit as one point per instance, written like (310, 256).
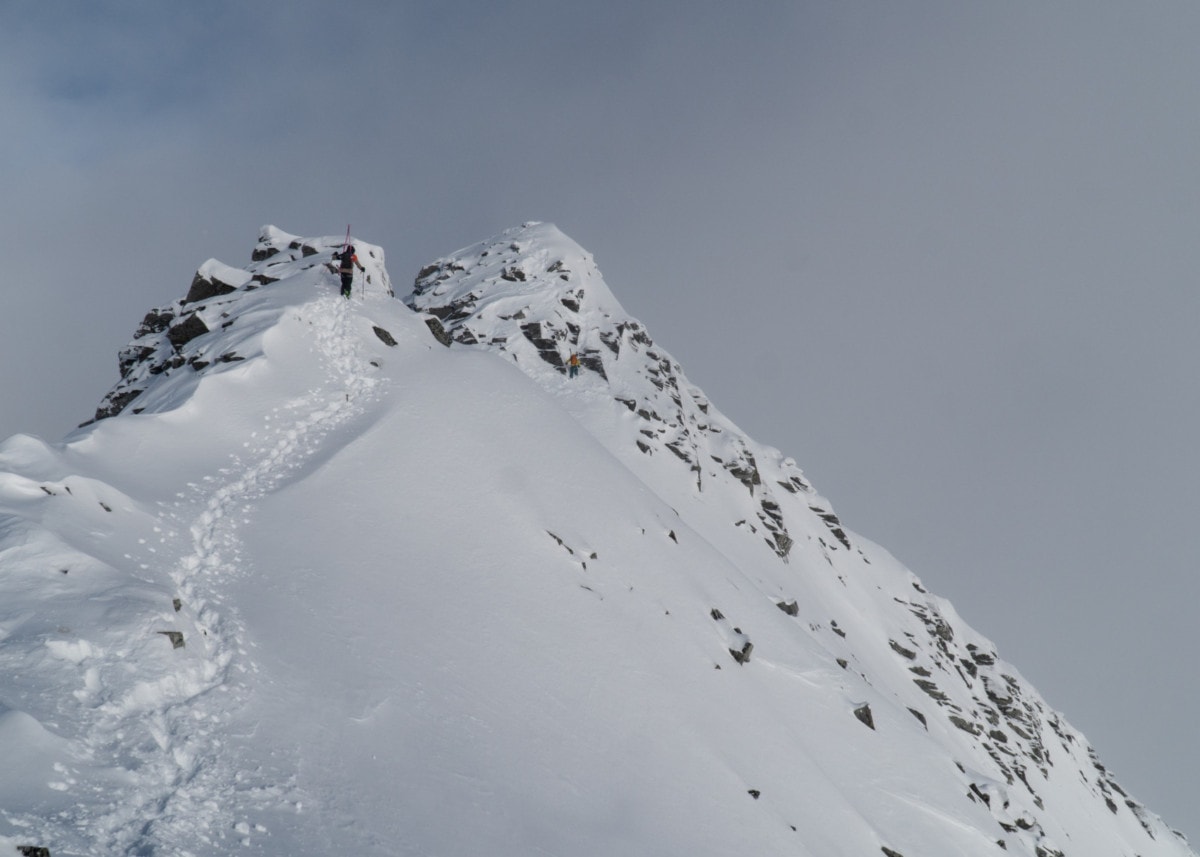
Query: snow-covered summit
(317, 584)
(537, 297)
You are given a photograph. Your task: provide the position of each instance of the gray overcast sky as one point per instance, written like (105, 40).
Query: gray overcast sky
(942, 253)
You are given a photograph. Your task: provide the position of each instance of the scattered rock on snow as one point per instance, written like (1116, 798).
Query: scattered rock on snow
(863, 713)
(742, 655)
(175, 637)
(439, 332)
(384, 337)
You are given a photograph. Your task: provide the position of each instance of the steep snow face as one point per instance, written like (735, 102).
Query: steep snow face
(357, 592)
(535, 296)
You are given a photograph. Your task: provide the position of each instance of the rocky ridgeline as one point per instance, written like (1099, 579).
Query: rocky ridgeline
(535, 296)
(176, 337)
(985, 699)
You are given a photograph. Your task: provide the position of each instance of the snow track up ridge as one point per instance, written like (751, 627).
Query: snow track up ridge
(185, 787)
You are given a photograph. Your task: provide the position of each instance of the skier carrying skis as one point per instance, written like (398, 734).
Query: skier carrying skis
(573, 365)
(348, 261)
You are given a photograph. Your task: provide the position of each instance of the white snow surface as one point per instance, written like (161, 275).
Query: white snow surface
(449, 601)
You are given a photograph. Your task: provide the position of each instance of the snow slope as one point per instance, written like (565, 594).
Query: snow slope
(447, 601)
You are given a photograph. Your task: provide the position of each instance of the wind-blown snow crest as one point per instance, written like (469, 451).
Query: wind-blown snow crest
(313, 583)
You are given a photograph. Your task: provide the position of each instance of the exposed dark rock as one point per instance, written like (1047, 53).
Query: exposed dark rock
(888, 852)
(33, 851)
(175, 637)
(831, 521)
(173, 363)
(384, 337)
(966, 725)
(156, 321)
(745, 470)
(547, 347)
(591, 360)
(680, 453)
(863, 713)
(932, 689)
(204, 288)
(754, 793)
(903, 652)
(742, 655)
(783, 544)
(789, 607)
(981, 658)
(560, 542)
(919, 716)
(186, 330)
(114, 404)
(439, 332)
(131, 356)
(611, 342)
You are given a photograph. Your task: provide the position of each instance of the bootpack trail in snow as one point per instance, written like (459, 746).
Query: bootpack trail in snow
(177, 780)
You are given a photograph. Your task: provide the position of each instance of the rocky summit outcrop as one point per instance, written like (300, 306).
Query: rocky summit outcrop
(173, 338)
(535, 296)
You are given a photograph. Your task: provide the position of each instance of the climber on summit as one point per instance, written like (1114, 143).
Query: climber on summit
(348, 261)
(573, 365)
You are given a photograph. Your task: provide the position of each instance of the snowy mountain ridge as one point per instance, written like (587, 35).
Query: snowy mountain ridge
(313, 582)
(535, 296)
